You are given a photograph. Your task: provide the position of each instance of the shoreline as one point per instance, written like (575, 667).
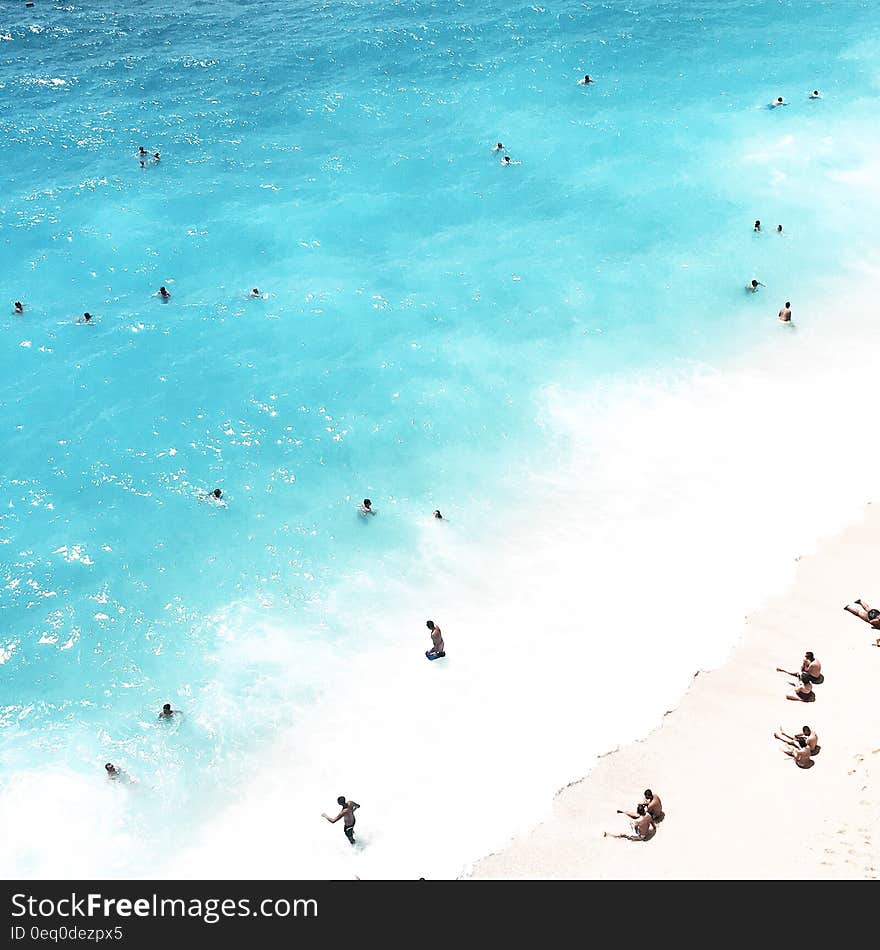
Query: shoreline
(735, 806)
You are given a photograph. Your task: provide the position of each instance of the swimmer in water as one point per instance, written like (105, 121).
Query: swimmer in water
(779, 101)
(785, 312)
(586, 81)
(437, 514)
(142, 151)
(85, 318)
(753, 285)
(507, 160)
(215, 495)
(19, 307)
(168, 712)
(163, 293)
(155, 156)
(757, 226)
(779, 229)
(255, 293)
(366, 507)
(142, 164)
(116, 774)
(499, 147)
(815, 94)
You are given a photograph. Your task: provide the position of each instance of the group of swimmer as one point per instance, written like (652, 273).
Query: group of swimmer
(779, 101)
(120, 775)
(145, 156)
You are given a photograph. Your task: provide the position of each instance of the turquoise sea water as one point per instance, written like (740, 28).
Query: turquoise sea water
(419, 303)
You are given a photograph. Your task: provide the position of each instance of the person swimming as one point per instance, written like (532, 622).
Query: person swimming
(163, 293)
(757, 226)
(779, 229)
(753, 285)
(216, 495)
(437, 514)
(785, 312)
(366, 507)
(255, 293)
(85, 318)
(778, 101)
(815, 94)
(19, 307)
(142, 151)
(586, 81)
(155, 156)
(499, 147)
(168, 712)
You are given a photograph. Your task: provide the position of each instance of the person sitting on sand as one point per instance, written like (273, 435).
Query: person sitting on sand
(785, 312)
(806, 733)
(809, 665)
(642, 824)
(804, 689)
(653, 805)
(753, 285)
(19, 308)
(800, 752)
(366, 507)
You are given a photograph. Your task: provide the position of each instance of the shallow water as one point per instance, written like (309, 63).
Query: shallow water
(560, 355)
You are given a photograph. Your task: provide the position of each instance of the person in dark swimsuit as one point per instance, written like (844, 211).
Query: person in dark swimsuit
(347, 813)
(869, 614)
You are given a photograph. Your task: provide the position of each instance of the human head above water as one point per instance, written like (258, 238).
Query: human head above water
(111, 768)
(166, 708)
(217, 493)
(367, 503)
(437, 513)
(754, 282)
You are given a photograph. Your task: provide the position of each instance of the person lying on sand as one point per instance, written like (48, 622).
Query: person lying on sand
(869, 614)
(642, 825)
(653, 805)
(809, 665)
(800, 752)
(806, 733)
(803, 689)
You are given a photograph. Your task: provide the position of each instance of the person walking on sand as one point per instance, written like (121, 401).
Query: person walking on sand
(800, 751)
(785, 312)
(803, 691)
(641, 824)
(806, 733)
(347, 813)
(653, 805)
(438, 648)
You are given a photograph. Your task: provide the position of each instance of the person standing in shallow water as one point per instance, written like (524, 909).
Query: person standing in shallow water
(347, 813)
(785, 312)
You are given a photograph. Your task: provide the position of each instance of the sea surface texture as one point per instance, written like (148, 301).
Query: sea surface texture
(627, 448)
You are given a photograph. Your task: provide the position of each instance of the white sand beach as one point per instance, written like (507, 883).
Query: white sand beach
(735, 806)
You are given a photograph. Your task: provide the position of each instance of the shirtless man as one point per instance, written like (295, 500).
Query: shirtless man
(810, 665)
(641, 824)
(806, 733)
(804, 689)
(785, 312)
(653, 805)
(800, 752)
(753, 285)
(437, 648)
(348, 809)
(168, 712)
(868, 614)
